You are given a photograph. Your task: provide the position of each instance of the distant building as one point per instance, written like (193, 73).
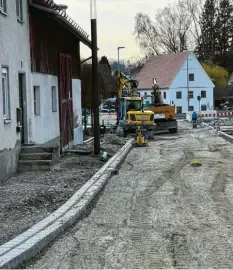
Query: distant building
(177, 74)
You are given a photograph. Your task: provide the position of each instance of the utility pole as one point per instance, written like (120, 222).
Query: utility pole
(188, 80)
(95, 89)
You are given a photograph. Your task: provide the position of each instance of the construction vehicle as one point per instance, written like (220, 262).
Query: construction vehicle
(164, 114)
(130, 112)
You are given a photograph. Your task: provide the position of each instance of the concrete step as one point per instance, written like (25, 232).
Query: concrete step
(36, 149)
(36, 156)
(34, 165)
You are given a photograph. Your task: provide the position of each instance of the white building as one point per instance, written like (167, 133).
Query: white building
(40, 79)
(178, 74)
(15, 83)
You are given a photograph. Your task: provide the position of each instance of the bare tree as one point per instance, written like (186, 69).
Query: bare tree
(146, 34)
(194, 10)
(175, 28)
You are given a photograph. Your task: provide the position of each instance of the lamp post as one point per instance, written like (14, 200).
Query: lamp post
(118, 61)
(95, 89)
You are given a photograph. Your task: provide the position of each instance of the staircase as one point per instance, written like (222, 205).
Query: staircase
(36, 158)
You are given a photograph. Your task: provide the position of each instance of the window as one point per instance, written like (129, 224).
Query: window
(36, 90)
(3, 8)
(19, 10)
(164, 95)
(191, 108)
(191, 77)
(139, 94)
(203, 94)
(6, 93)
(190, 94)
(54, 99)
(178, 109)
(203, 107)
(145, 93)
(178, 95)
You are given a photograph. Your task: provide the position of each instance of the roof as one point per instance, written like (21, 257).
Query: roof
(162, 67)
(53, 9)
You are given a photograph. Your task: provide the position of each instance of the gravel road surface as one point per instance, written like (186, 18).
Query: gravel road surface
(27, 198)
(159, 211)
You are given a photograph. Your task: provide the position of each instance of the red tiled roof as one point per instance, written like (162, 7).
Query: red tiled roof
(162, 67)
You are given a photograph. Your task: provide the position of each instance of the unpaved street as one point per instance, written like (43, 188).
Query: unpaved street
(159, 211)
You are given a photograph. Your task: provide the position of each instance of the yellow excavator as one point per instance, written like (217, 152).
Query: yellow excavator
(165, 116)
(129, 108)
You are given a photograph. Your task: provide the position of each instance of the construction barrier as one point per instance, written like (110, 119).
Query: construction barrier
(209, 114)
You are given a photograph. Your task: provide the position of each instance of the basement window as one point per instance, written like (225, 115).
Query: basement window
(36, 90)
(19, 10)
(3, 8)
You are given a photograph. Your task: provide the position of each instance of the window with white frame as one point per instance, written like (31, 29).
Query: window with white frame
(164, 95)
(19, 10)
(36, 90)
(6, 93)
(54, 99)
(3, 8)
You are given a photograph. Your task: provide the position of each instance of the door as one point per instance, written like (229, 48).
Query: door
(21, 105)
(66, 105)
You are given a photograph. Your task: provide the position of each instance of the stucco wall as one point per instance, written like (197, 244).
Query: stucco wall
(77, 109)
(14, 54)
(45, 127)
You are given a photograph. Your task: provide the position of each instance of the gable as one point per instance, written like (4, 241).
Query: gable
(201, 79)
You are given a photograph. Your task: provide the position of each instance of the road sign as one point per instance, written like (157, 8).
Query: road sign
(199, 98)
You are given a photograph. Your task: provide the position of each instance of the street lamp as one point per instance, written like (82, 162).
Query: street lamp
(118, 63)
(95, 89)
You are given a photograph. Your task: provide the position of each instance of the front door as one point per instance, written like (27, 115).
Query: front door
(66, 105)
(21, 104)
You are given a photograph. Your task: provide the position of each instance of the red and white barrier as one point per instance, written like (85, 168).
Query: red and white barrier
(216, 114)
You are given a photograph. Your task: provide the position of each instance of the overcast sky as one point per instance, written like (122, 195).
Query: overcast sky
(115, 22)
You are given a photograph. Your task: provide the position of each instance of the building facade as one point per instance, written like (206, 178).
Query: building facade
(40, 79)
(181, 79)
(15, 83)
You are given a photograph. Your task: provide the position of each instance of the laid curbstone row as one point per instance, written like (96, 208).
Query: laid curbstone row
(31, 242)
(60, 211)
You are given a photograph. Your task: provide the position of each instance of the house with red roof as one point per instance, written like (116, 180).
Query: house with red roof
(181, 79)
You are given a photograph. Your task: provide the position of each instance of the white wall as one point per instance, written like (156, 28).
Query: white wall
(77, 109)
(45, 127)
(15, 54)
(201, 82)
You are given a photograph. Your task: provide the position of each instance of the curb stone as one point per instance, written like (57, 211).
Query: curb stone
(31, 242)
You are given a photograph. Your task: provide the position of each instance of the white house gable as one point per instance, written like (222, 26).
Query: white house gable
(200, 78)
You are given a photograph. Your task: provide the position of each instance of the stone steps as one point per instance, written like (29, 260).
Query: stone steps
(36, 158)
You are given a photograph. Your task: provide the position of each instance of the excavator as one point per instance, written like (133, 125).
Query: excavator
(165, 117)
(129, 108)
